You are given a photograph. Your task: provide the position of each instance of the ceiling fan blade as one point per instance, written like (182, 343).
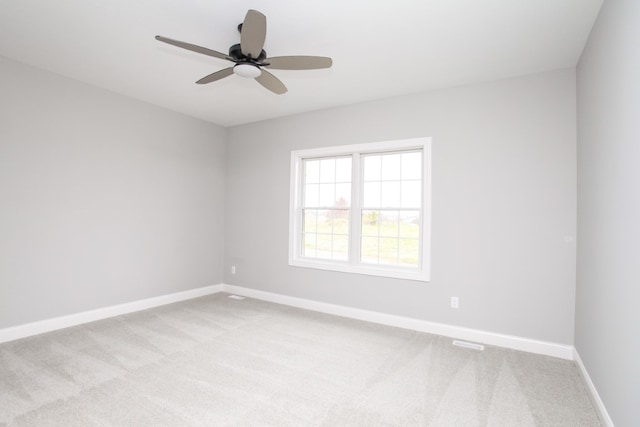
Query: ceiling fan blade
(253, 34)
(215, 76)
(194, 48)
(271, 82)
(298, 62)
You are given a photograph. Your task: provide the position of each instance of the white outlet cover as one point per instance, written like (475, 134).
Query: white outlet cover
(455, 302)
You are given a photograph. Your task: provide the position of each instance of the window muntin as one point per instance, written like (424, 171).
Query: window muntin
(362, 208)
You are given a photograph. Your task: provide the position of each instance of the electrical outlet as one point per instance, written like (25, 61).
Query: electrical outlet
(233, 269)
(455, 303)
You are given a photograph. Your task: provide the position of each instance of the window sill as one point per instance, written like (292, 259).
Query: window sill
(369, 270)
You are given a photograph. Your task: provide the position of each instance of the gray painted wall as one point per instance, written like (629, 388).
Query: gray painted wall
(504, 205)
(103, 199)
(608, 273)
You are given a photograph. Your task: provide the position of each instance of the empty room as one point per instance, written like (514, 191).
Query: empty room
(324, 213)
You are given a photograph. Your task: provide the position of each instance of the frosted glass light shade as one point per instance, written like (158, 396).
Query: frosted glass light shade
(247, 70)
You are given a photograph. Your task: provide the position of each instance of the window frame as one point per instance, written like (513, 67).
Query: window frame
(354, 264)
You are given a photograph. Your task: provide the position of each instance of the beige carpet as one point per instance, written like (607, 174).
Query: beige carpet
(215, 361)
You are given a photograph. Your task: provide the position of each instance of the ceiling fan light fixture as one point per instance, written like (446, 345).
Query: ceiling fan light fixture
(247, 70)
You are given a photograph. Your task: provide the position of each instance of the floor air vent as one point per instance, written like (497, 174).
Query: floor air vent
(467, 344)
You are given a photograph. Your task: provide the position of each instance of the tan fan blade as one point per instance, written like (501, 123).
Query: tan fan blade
(194, 48)
(271, 82)
(299, 62)
(216, 76)
(253, 34)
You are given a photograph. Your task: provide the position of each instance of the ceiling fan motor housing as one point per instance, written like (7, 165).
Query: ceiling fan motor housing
(236, 53)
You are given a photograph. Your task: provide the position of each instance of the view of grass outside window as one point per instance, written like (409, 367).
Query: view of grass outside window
(362, 208)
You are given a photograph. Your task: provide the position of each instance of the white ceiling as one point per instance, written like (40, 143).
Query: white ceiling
(380, 48)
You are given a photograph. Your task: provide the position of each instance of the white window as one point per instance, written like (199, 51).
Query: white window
(362, 208)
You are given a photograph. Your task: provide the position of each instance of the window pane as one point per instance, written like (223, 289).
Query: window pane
(371, 194)
(340, 222)
(370, 223)
(309, 248)
(328, 170)
(390, 194)
(391, 167)
(340, 248)
(343, 169)
(311, 195)
(325, 224)
(309, 221)
(411, 194)
(369, 250)
(389, 223)
(388, 251)
(343, 195)
(409, 250)
(327, 195)
(409, 224)
(324, 246)
(312, 171)
(412, 165)
(372, 168)
(336, 221)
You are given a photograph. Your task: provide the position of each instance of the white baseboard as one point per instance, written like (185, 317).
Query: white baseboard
(491, 338)
(602, 410)
(475, 335)
(35, 328)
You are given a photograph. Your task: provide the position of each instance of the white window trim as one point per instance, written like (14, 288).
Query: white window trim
(295, 211)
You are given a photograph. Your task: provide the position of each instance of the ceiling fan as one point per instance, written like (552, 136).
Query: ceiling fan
(250, 58)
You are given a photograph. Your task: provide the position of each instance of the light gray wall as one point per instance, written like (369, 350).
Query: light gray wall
(103, 199)
(504, 205)
(608, 274)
